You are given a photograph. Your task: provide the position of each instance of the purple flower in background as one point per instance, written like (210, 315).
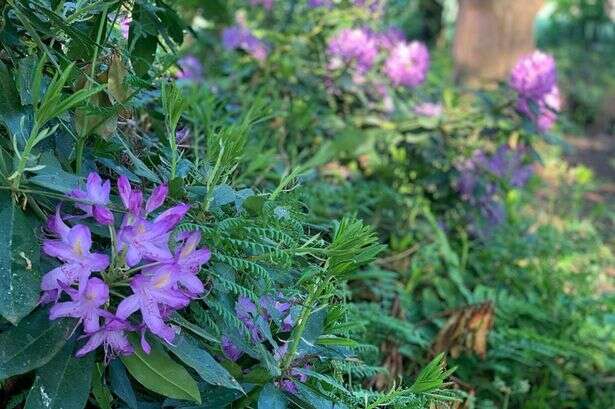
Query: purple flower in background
(185, 265)
(534, 75)
(97, 197)
(113, 338)
(85, 305)
(288, 385)
(191, 68)
(507, 164)
(124, 23)
(148, 294)
(74, 251)
(542, 112)
(319, 3)
(428, 109)
(229, 349)
(240, 37)
(407, 64)
(267, 4)
(247, 313)
(389, 38)
(182, 135)
(352, 46)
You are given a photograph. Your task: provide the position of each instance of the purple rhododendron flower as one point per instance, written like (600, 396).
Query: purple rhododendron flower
(352, 46)
(229, 349)
(97, 196)
(113, 338)
(191, 68)
(428, 109)
(407, 64)
(542, 112)
(534, 75)
(240, 37)
(148, 294)
(389, 38)
(74, 250)
(185, 265)
(85, 305)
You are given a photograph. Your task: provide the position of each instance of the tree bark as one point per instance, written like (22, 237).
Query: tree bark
(490, 36)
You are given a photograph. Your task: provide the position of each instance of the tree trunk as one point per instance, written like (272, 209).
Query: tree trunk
(490, 36)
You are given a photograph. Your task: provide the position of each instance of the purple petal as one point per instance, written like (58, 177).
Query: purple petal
(98, 262)
(172, 216)
(125, 190)
(80, 239)
(127, 307)
(156, 199)
(230, 350)
(102, 214)
(56, 225)
(65, 309)
(94, 342)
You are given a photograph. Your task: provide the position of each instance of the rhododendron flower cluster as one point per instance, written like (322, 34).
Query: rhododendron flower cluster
(160, 281)
(240, 37)
(258, 320)
(406, 64)
(353, 46)
(534, 78)
(480, 179)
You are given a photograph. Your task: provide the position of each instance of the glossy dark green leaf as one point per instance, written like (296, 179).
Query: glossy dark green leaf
(188, 350)
(271, 398)
(53, 177)
(171, 21)
(11, 111)
(63, 383)
(32, 343)
(20, 276)
(99, 388)
(161, 374)
(120, 383)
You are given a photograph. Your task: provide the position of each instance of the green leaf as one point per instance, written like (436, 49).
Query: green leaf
(143, 42)
(32, 343)
(187, 349)
(121, 384)
(11, 111)
(99, 389)
(20, 276)
(53, 177)
(271, 398)
(159, 373)
(64, 383)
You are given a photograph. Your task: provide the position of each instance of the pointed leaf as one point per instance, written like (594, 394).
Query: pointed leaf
(271, 398)
(187, 349)
(63, 383)
(32, 343)
(120, 383)
(159, 373)
(20, 276)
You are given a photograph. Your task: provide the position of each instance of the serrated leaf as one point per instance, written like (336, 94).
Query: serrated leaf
(20, 276)
(32, 343)
(161, 374)
(187, 349)
(63, 383)
(271, 398)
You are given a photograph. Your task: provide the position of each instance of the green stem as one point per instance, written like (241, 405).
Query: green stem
(301, 323)
(25, 155)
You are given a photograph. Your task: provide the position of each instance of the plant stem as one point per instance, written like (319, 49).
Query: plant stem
(301, 323)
